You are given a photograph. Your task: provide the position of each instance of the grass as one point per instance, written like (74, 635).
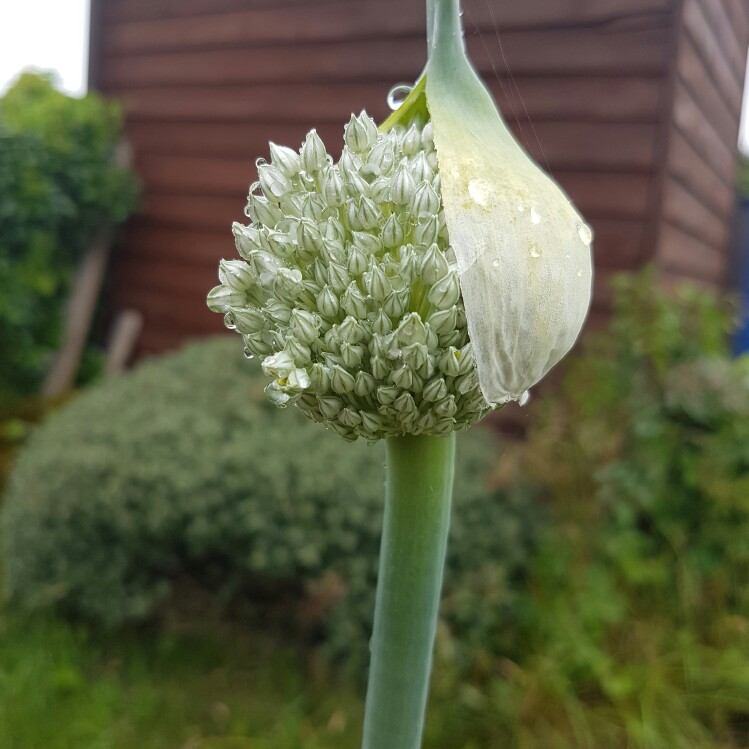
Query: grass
(61, 687)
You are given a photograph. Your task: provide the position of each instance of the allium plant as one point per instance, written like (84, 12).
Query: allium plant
(431, 275)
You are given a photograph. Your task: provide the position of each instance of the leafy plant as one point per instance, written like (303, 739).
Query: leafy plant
(59, 185)
(183, 471)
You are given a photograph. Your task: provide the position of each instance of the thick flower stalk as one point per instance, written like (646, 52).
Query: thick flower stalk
(432, 274)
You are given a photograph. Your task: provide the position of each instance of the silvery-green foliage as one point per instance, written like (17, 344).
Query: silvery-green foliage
(348, 290)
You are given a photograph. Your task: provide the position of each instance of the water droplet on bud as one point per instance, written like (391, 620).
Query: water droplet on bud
(586, 235)
(524, 398)
(248, 354)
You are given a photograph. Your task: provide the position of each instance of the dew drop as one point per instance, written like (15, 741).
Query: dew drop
(229, 323)
(585, 233)
(521, 208)
(496, 263)
(524, 398)
(398, 94)
(248, 354)
(535, 217)
(479, 190)
(535, 250)
(579, 274)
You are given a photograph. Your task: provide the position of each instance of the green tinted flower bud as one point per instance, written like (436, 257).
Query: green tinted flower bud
(411, 329)
(381, 323)
(309, 238)
(351, 330)
(265, 266)
(402, 377)
(368, 243)
(349, 417)
(236, 274)
(404, 404)
(371, 422)
(380, 367)
(435, 390)
(378, 284)
(262, 211)
(327, 303)
(443, 321)
(411, 142)
(449, 362)
(330, 406)
(333, 188)
(364, 384)
(255, 344)
(342, 430)
(338, 277)
(396, 303)
(357, 261)
(379, 191)
(445, 293)
(446, 407)
(288, 284)
(392, 232)
(415, 355)
(314, 155)
(280, 244)
(361, 133)
(352, 355)
(299, 352)
(426, 202)
(353, 302)
(246, 239)
(320, 378)
(248, 319)
(427, 231)
(382, 157)
(285, 159)
(341, 381)
(362, 214)
(465, 355)
(274, 183)
(221, 298)
(386, 394)
(278, 311)
(403, 185)
(420, 169)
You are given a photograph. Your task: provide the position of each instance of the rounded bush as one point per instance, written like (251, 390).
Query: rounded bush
(182, 469)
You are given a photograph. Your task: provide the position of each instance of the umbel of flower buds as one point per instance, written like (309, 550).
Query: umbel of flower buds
(348, 287)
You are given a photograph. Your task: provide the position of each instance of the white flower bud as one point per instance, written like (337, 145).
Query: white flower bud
(246, 239)
(353, 302)
(449, 362)
(403, 185)
(443, 321)
(262, 211)
(411, 142)
(330, 406)
(309, 238)
(279, 365)
(446, 407)
(415, 355)
(381, 323)
(320, 378)
(314, 155)
(338, 277)
(396, 303)
(368, 243)
(364, 384)
(380, 367)
(361, 133)
(392, 232)
(341, 381)
(425, 202)
(386, 394)
(274, 183)
(286, 159)
(280, 244)
(362, 214)
(357, 260)
(288, 284)
(351, 330)
(435, 390)
(247, 319)
(236, 274)
(445, 293)
(333, 189)
(411, 329)
(221, 298)
(352, 355)
(402, 377)
(378, 284)
(427, 231)
(278, 311)
(327, 302)
(379, 191)
(382, 157)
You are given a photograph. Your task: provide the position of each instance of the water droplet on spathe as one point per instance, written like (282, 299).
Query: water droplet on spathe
(479, 190)
(535, 250)
(579, 274)
(521, 208)
(496, 263)
(585, 233)
(535, 217)
(524, 398)
(398, 94)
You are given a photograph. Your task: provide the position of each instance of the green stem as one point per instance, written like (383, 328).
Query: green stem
(444, 26)
(418, 492)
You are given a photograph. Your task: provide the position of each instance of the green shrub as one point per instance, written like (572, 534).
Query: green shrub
(58, 187)
(182, 469)
(635, 631)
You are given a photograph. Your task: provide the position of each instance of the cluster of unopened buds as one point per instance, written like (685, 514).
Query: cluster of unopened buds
(348, 287)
